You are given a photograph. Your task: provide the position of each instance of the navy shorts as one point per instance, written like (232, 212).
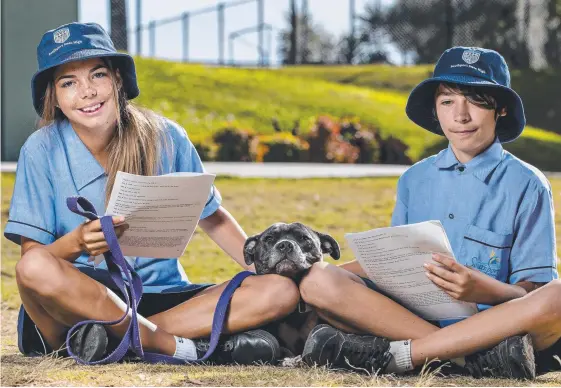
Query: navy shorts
(31, 342)
(545, 359)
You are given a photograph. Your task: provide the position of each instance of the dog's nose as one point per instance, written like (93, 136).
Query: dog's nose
(285, 246)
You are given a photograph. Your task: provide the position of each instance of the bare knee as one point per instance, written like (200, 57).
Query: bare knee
(545, 303)
(322, 285)
(279, 294)
(39, 272)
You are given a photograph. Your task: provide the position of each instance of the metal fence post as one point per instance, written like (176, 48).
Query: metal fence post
(260, 25)
(185, 24)
(152, 31)
(449, 24)
(220, 10)
(138, 27)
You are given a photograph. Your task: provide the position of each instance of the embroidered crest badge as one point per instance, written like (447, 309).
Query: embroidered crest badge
(470, 56)
(62, 35)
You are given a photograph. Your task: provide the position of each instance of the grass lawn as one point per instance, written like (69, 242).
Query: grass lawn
(539, 89)
(205, 99)
(333, 206)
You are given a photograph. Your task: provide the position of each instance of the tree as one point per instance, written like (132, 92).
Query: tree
(119, 24)
(424, 29)
(415, 27)
(358, 50)
(553, 45)
(294, 48)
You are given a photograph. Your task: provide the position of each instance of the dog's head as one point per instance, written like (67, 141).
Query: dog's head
(288, 249)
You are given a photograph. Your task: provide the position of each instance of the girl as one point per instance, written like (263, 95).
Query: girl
(498, 214)
(90, 130)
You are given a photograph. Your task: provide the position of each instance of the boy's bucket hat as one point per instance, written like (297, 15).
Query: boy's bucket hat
(75, 42)
(472, 66)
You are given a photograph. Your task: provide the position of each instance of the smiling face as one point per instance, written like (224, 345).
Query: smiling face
(468, 121)
(85, 94)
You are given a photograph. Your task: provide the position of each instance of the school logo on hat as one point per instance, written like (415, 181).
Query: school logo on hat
(470, 56)
(62, 35)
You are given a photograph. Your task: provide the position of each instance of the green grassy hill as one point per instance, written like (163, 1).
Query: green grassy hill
(539, 89)
(205, 99)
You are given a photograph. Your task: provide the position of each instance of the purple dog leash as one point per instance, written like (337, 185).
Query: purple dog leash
(132, 291)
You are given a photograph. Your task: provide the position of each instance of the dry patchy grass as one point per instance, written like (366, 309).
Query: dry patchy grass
(334, 206)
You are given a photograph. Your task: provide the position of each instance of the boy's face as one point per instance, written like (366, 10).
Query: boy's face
(469, 128)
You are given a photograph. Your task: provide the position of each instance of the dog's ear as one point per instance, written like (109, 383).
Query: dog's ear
(329, 245)
(249, 249)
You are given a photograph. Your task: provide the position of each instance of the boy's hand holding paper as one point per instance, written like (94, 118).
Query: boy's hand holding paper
(455, 279)
(394, 258)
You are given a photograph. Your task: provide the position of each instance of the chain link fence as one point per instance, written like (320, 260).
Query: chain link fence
(118, 22)
(526, 32)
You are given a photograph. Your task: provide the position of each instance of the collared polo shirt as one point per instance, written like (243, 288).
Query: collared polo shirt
(496, 209)
(55, 164)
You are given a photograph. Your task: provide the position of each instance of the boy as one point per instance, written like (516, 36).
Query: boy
(498, 214)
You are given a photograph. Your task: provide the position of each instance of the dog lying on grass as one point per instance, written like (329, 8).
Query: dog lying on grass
(290, 250)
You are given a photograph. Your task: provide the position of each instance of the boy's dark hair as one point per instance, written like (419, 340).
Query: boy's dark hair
(486, 98)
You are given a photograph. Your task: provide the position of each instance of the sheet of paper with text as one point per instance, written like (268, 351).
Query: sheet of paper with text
(393, 259)
(162, 211)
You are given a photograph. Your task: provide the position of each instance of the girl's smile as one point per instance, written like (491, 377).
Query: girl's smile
(92, 110)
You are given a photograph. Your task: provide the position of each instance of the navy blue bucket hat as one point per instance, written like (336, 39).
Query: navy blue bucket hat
(470, 66)
(76, 42)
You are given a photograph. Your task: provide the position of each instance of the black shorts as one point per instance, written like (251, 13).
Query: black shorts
(31, 342)
(545, 359)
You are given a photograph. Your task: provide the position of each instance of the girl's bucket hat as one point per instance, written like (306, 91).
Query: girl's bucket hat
(471, 66)
(76, 42)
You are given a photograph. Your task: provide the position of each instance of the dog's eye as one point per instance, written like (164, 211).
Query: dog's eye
(268, 238)
(303, 237)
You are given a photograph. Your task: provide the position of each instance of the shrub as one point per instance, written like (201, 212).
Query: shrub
(340, 151)
(394, 151)
(234, 145)
(205, 149)
(282, 147)
(318, 139)
(365, 140)
(342, 141)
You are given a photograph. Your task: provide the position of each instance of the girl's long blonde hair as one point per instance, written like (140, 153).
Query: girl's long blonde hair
(135, 146)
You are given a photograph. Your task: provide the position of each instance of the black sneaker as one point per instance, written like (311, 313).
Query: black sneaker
(246, 348)
(328, 346)
(90, 342)
(513, 358)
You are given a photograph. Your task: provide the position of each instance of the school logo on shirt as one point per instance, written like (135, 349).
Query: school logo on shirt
(62, 35)
(490, 266)
(470, 56)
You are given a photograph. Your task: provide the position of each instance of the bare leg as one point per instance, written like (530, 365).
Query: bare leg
(538, 313)
(44, 282)
(56, 296)
(343, 299)
(333, 290)
(259, 300)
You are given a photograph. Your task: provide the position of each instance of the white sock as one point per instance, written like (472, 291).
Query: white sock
(401, 360)
(185, 349)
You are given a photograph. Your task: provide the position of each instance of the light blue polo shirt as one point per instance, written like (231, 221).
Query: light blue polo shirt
(496, 209)
(55, 164)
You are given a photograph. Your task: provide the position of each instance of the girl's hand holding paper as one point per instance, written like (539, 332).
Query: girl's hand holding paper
(91, 239)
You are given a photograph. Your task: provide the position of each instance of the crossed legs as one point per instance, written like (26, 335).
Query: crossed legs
(56, 295)
(342, 298)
